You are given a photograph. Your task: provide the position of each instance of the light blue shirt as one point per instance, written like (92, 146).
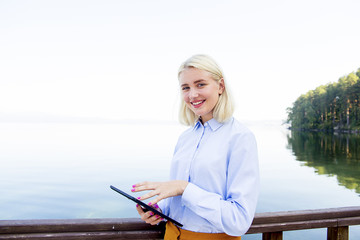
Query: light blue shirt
(219, 160)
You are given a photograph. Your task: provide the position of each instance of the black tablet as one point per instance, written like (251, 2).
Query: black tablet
(144, 205)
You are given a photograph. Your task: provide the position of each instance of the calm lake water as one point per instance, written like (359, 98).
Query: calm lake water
(63, 170)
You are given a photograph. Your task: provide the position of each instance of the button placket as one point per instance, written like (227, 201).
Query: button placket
(203, 128)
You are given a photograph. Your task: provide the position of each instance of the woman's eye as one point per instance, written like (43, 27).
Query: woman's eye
(184, 88)
(201, 85)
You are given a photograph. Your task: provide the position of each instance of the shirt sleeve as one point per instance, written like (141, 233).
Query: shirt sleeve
(164, 206)
(232, 214)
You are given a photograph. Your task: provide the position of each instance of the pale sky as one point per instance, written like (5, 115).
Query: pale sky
(119, 59)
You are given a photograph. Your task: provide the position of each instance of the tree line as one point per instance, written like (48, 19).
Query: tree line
(334, 106)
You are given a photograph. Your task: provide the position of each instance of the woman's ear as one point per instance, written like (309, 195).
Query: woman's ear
(221, 86)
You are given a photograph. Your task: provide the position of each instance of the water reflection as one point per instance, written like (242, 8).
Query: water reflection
(330, 154)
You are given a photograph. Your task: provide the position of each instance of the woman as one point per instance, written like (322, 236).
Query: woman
(214, 172)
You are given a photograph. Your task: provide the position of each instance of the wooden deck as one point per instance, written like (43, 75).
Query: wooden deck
(270, 224)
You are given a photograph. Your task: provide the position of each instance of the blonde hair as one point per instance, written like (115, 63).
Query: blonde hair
(224, 107)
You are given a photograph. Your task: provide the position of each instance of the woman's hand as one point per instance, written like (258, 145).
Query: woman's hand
(149, 216)
(161, 189)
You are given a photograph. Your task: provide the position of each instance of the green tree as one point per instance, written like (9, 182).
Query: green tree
(328, 107)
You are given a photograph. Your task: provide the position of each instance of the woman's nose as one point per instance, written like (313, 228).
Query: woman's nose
(193, 93)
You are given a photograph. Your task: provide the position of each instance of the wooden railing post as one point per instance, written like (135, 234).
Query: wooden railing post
(272, 236)
(338, 233)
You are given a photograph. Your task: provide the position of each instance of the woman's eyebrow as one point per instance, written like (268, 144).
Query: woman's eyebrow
(200, 80)
(195, 82)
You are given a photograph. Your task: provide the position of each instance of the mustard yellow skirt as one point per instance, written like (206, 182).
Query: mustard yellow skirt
(174, 233)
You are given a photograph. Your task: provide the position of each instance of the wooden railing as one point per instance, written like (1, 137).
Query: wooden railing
(336, 220)
(271, 225)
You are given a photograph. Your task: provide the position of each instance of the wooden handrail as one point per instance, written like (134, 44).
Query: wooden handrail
(305, 219)
(270, 224)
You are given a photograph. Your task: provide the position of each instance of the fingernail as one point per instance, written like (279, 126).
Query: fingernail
(151, 213)
(137, 205)
(162, 218)
(156, 206)
(138, 198)
(150, 203)
(133, 190)
(133, 185)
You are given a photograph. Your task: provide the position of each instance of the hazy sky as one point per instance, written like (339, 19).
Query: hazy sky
(119, 59)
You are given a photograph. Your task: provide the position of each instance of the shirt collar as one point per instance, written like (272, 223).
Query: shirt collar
(212, 123)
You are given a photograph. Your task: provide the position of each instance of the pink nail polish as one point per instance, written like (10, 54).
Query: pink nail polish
(137, 205)
(133, 190)
(138, 198)
(133, 185)
(150, 203)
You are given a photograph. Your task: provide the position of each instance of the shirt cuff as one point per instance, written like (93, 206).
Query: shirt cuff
(191, 195)
(162, 205)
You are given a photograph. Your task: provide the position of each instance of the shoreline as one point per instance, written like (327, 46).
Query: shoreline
(347, 131)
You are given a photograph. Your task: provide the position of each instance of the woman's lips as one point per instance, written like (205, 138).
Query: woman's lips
(197, 104)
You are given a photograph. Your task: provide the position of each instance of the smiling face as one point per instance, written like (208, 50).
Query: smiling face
(200, 91)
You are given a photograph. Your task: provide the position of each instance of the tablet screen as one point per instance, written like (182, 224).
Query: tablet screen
(144, 205)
